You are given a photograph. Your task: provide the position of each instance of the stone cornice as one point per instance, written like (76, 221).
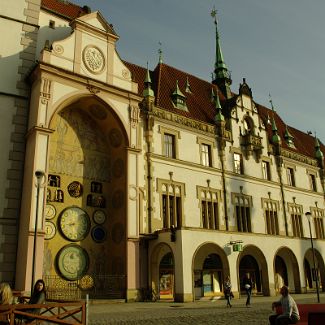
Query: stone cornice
(299, 157)
(184, 121)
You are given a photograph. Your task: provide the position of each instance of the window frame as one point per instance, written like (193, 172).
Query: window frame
(318, 216)
(175, 136)
(209, 207)
(296, 212)
(240, 170)
(242, 210)
(171, 202)
(266, 172)
(271, 215)
(291, 180)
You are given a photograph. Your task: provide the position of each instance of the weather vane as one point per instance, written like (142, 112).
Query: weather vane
(160, 52)
(214, 14)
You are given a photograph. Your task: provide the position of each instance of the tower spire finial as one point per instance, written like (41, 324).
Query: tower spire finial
(221, 74)
(160, 53)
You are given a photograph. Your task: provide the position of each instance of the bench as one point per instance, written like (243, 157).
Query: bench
(311, 314)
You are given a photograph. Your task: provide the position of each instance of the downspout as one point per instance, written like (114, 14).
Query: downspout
(279, 163)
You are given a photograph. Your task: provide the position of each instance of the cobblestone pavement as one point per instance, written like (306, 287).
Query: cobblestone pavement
(202, 312)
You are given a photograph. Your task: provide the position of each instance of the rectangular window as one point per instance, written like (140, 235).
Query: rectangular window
(271, 217)
(243, 219)
(312, 182)
(266, 170)
(206, 154)
(296, 225)
(318, 217)
(171, 201)
(209, 209)
(291, 177)
(238, 163)
(169, 145)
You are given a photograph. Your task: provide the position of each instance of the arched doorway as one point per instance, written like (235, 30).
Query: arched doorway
(86, 203)
(311, 272)
(166, 277)
(252, 261)
(286, 270)
(162, 273)
(281, 273)
(249, 265)
(210, 267)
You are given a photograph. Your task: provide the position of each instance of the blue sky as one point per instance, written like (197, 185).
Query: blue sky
(278, 46)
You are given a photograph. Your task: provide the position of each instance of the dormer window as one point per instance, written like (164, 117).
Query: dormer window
(179, 99)
(289, 138)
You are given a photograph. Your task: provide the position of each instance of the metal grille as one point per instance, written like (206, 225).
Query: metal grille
(97, 286)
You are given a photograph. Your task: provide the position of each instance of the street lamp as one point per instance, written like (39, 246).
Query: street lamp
(39, 177)
(308, 215)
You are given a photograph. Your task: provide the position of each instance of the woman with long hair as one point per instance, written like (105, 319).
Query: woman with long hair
(6, 297)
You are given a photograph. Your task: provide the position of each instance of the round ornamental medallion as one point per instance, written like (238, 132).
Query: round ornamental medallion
(75, 189)
(98, 234)
(72, 261)
(94, 59)
(115, 138)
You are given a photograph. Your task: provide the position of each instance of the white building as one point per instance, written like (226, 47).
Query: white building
(153, 180)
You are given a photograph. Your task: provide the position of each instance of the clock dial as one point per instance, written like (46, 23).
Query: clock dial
(50, 229)
(98, 234)
(72, 262)
(74, 223)
(99, 217)
(50, 211)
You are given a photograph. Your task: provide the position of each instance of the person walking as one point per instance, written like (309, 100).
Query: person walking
(247, 282)
(290, 312)
(227, 291)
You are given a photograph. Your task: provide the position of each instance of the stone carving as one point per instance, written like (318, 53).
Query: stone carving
(94, 59)
(58, 49)
(45, 91)
(134, 115)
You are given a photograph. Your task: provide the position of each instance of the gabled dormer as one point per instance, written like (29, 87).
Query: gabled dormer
(289, 138)
(179, 99)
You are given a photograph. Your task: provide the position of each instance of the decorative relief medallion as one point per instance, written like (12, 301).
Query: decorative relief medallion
(75, 189)
(115, 137)
(126, 74)
(118, 199)
(94, 59)
(58, 49)
(118, 233)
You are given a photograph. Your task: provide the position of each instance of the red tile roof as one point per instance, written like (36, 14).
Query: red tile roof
(198, 102)
(201, 108)
(64, 8)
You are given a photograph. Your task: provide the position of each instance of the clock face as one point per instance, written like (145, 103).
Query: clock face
(72, 262)
(50, 211)
(99, 217)
(98, 233)
(50, 229)
(74, 223)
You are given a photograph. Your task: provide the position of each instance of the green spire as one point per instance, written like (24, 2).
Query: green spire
(147, 85)
(212, 95)
(177, 91)
(188, 86)
(319, 154)
(219, 117)
(222, 75)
